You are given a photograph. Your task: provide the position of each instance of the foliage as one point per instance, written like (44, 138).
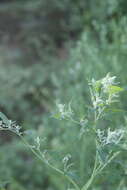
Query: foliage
(107, 141)
(32, 79)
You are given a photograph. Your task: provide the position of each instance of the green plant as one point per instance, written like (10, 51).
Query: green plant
(107, 143)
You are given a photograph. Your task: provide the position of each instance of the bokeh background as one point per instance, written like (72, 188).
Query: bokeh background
(48, 51)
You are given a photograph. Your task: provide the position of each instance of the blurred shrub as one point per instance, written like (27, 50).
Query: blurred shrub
(40, 27)
(26, 93)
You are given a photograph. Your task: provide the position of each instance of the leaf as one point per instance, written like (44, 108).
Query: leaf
(115, 110)
(4, 118)
(115, 89)
(102, 154)
(97, 86)
(57, 115)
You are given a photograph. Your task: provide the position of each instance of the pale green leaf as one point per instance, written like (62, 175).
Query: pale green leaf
(114, 89)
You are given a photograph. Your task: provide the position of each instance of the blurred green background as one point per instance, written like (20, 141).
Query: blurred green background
(48, 51)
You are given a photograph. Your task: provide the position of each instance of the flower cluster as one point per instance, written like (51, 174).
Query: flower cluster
(65, 161)
(6, 124)
(108, 81)
(63, 111)
(38, 144)
(104, 92)
(112, 137)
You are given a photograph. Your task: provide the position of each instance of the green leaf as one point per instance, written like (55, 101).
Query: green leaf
(115, 89)
(102, 154)
(4, 118)
(57, 115)
(97, 86)
(115, 110)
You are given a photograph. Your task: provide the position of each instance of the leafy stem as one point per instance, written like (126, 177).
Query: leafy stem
(40, 157)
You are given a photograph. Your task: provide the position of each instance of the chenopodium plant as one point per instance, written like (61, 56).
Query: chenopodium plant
(103, 93)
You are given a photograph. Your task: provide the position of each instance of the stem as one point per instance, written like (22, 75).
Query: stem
(82, 157)
(87, 185)
(48, 164)
(97, 171)
(89, 182)
(121, 184)
(112, 157)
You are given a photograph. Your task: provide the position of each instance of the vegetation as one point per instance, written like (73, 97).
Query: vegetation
(54, 60)
(103, 92)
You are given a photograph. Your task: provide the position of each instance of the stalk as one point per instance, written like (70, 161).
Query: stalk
(49, 165)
